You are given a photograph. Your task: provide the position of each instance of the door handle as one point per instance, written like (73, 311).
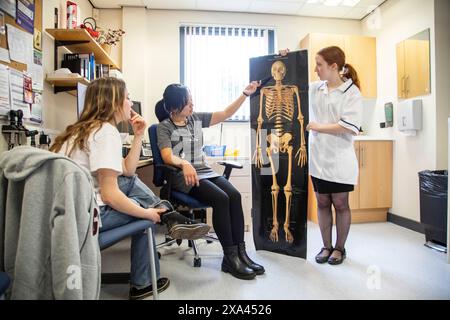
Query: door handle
(403, 87)
(406, 85)
(362, 157)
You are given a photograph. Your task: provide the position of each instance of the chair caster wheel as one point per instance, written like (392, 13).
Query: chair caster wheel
(159, 255)
(197, 262)
(209, 241)
(179, 241)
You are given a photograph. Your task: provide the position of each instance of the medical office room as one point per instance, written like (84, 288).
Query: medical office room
(316, 162)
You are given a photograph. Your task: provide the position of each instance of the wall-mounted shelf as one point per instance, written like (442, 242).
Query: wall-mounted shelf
(76, 41)
(66, 83)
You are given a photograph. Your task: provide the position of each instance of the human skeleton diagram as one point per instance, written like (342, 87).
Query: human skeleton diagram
(279, 107)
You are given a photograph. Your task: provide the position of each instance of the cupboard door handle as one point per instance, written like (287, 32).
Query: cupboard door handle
(403, 87)
(362, 157)
(406, 84)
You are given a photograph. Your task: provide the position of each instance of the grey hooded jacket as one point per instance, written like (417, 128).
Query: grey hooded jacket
(48, 226)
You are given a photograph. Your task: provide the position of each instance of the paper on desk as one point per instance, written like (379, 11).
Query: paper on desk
(20, 45)
(17, 93)
(4, 90)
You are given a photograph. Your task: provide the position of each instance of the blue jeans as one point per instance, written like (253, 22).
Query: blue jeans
(139, 193)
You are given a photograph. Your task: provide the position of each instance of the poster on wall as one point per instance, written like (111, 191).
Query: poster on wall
(36, 108)
(25, 14)
(279, 115)
(8, 6)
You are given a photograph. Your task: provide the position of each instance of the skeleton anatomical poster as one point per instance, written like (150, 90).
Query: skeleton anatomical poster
(279, 115)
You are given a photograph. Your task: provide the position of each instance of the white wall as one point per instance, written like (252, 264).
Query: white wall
(112, 19)
(400, 19)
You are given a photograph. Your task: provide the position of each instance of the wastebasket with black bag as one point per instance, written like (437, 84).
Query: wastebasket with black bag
(433, 207)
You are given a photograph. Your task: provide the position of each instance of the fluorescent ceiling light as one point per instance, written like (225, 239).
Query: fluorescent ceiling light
(350, 3)
(312, 1)
(332, 3)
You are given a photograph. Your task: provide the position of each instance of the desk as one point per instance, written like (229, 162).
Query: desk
(143, 163)
(145, 173)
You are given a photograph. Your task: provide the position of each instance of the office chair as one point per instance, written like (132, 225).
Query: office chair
(110, 237)
(4, 284)
(162, 177)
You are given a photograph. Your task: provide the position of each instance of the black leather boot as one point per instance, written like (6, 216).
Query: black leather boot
(259, 269)
(232, 264)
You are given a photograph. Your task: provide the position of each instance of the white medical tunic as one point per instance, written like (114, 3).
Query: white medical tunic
(332, 156)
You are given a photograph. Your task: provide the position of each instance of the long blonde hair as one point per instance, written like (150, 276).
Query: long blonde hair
(335, 54)
(104, 100)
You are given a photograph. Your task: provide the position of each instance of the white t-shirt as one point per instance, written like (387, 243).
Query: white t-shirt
(332, 156)
(104, 151)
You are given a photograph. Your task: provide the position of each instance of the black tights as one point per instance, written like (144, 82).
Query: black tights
(225, 200)
(343, 217)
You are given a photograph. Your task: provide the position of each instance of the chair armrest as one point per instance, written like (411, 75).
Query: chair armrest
(229, 165)
(168, 172)
(168, 169)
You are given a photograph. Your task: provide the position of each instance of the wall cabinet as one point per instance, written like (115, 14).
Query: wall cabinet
(413, 68)
(360, 52)
(372, 196)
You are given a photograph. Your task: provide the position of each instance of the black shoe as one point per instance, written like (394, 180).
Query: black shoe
(323, 259)
(180, 227)
(335, 261)
(232, 263)
(136, 294)
(259, 269)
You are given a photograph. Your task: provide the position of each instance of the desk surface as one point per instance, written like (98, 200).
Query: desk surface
(143, 163)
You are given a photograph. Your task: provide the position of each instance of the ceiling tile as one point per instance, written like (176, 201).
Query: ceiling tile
(356, 13)
(220, 5)
(276, 7)
(172, 4)
(318, 10)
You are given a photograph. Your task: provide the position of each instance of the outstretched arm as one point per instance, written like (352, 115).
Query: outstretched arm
(219, 116)
(258, 152)
(332, 128)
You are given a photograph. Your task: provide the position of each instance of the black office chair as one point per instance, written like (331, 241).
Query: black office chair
(162, 177)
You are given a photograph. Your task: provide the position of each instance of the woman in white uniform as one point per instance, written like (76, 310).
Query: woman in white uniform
(334, 119)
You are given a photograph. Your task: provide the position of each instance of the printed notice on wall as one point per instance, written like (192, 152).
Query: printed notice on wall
(36, 108)
(4, 90)
(17, 93)
(25, 14)
(9, 6)
(20, 45)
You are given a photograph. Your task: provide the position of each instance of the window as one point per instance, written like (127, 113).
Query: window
(214, 63)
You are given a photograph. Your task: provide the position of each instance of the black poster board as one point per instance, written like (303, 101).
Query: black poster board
(294, 83)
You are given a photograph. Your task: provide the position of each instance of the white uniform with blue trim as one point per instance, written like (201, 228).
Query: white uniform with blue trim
(332, 156)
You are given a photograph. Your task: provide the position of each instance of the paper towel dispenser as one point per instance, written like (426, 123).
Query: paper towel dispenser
(409, 116)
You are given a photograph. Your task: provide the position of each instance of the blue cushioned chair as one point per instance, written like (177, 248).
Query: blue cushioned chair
(162, 177)
(112, 236)
(4, 284)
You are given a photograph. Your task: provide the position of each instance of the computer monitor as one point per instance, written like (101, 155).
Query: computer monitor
(122, 127)
(81, 94)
